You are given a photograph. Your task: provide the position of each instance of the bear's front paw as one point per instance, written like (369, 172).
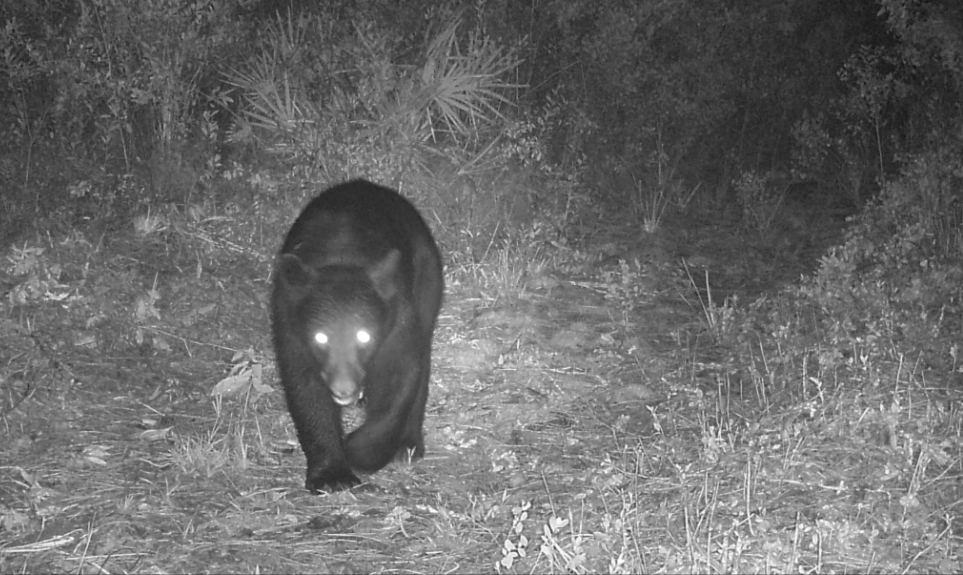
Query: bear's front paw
(330, 479)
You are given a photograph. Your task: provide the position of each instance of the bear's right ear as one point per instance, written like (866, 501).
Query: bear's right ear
(293, 273)
(384, 274)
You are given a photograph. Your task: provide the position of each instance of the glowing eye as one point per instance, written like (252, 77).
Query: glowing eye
(363, 336)
(321, 338)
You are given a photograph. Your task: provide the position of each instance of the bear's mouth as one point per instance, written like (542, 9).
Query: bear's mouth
(348, 400)
(345, 401)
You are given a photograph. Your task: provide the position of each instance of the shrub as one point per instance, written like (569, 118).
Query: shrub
(898, 269)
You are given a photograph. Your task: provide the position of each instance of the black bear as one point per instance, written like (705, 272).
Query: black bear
(357, 291)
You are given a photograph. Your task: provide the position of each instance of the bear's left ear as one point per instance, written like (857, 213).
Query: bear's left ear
(384, 274)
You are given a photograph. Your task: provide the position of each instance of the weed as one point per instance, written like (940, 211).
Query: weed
(244, 378)
(625, 285)
(205, 455)
(760, 201)
(38, 278)
(650, 206)
(515, 545)
(719, 318)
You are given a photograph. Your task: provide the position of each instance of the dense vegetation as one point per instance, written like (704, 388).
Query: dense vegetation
(523, 129)
(113, 104)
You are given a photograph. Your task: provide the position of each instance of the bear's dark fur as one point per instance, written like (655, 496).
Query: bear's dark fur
(357, 290)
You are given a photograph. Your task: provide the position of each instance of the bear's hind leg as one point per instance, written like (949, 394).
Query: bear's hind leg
(413, 435)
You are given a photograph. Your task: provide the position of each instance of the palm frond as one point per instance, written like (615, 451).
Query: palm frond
(466, 88)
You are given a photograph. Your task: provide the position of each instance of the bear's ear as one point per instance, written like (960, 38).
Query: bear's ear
(384, 274)
(293, 273)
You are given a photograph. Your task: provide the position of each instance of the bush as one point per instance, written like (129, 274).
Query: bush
(898, 270)
(345, 105)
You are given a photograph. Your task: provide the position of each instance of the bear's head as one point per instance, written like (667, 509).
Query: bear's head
(343, 313)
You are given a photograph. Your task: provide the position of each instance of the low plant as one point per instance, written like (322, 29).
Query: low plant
(719, 317)
(625, 284)
(650, 204)
(760, 201)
